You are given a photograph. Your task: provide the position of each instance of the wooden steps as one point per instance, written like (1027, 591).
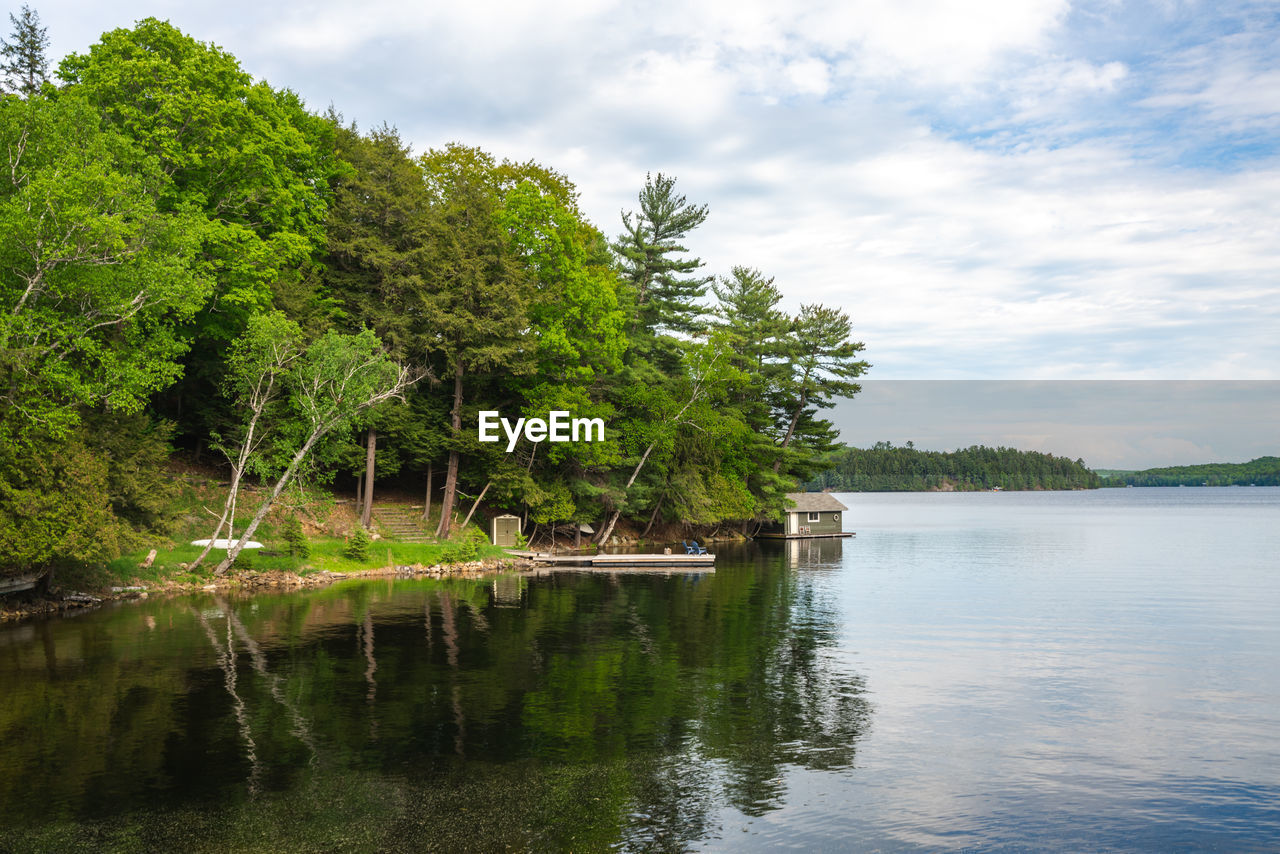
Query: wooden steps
(402, 523)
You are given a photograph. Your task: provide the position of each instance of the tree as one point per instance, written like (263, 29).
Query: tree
(25, 66)
(759, 336)
(95, 279)
(377, 250)
(334, 382)
(477, 294)
(246, 163)
(260, 362)
(822, 366)
(665, 287)
(704, 371)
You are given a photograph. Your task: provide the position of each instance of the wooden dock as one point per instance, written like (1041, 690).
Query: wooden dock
(695, 563)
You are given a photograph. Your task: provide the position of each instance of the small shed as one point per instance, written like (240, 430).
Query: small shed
(813, 514)
(504, 530)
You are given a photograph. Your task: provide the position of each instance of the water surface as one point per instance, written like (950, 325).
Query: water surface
(1008, 671)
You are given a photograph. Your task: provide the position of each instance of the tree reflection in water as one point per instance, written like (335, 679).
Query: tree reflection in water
(567, 710)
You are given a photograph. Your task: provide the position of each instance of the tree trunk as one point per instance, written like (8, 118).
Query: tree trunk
(577, 535)
(371, 450)
(467, 520)
(238, 545)
(791, 429)
(451, 476)
(607, 530)
(228, 517)
(426, 505)
(654, 517)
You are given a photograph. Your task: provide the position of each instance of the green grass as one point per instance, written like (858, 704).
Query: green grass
(326, 555)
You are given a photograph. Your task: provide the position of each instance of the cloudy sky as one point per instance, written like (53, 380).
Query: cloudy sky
(1033, 189)
(1122, 424)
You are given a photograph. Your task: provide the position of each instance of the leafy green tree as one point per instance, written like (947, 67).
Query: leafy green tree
(95, 278)
(330, 384)
(377, 250)
(260, 363)
(477, 294)
(25, 66)
(246, 162)
(578, 325)
(668, 412)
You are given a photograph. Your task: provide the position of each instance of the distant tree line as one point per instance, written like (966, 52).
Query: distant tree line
(1264, 471)
(192, 258)
(886, 468)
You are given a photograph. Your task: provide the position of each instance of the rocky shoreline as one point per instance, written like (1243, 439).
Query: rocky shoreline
(251, 582)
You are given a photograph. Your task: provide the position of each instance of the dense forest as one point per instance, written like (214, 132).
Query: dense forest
(1264, 471)
(885, 468)
(192, 259)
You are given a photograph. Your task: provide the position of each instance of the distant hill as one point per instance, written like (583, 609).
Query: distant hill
(1264, 471)
(885, 468)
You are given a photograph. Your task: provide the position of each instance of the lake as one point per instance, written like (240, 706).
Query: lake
(993, 671)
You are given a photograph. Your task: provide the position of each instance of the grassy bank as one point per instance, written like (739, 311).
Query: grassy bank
(193, 500)
(326, 556)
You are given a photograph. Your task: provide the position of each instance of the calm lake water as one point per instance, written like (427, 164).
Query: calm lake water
(1086, 671)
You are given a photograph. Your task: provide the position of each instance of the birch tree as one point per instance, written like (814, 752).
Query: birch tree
(329, 386)
(259, 367)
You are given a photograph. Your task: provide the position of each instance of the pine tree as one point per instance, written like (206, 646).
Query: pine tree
(665, 287)
(25, 66)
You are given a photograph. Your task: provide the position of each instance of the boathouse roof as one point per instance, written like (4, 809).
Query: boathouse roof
(813, 502)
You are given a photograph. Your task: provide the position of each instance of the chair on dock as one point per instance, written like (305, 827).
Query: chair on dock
(695, 549)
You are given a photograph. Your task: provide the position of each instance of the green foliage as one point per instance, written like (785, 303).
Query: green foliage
(464, 547)
(256, 275)
(55, 503)
(244, 156)
(299, 545)
(89, 314)
(1263, 471)
(358, 544)
(245, 167)
(135, 448)
(885, 468)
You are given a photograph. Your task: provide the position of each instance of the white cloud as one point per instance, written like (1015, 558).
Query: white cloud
(986, 190)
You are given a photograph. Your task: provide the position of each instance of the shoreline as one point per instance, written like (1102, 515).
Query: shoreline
(251, 582)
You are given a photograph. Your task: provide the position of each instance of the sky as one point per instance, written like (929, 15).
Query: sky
(1024, 190)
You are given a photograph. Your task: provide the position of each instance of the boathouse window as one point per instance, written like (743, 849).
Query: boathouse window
(815, 517)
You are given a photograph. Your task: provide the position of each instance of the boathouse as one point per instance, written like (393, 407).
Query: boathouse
(814, 514)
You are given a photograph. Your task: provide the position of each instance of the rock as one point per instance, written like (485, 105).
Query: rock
(146, 564)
